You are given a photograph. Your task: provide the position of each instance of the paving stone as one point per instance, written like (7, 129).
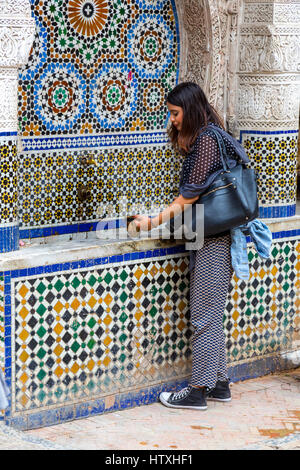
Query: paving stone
(253, 419)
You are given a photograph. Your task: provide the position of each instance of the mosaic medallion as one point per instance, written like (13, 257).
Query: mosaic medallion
(78, 42)
(113, 96)
(59, 96)
(153, 97)
(88, 17)
(150, 46)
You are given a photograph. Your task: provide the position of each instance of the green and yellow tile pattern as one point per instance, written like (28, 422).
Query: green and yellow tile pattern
(89, 333)
(263, 314)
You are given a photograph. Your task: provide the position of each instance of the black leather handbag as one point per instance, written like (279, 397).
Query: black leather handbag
(230, 201)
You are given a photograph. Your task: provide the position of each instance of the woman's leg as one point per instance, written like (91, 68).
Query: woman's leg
(209, 289)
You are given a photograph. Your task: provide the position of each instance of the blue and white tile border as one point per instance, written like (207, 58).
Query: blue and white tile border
(9, 237)
(82, 142)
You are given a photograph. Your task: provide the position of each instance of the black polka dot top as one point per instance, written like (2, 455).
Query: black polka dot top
(204, 159)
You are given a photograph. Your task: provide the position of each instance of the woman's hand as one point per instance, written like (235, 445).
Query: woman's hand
(143, 223)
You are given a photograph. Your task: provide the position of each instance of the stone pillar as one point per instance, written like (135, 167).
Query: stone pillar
(16, 37)
(268, 99)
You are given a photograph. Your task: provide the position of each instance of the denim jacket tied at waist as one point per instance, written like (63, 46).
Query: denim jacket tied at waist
(262, 239)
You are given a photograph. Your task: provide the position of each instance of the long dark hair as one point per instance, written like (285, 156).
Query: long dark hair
(197, 113)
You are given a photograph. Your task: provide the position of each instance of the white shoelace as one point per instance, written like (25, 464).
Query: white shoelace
(182, 393)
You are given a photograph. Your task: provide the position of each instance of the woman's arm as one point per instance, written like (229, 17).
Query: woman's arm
(204, 160)
(175, 208)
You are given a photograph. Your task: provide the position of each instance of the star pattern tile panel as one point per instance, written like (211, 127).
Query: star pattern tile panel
(275, 159)
(8, 182)
(49, 183)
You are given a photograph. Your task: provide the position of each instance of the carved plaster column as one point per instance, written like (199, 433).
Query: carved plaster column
(16, 37)
(195, 41)
(268, 99)
(208, 49)
(234, 12)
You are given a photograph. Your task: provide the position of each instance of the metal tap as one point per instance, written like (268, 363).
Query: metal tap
(87, 160)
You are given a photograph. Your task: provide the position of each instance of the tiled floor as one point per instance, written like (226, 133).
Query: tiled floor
(264, 414)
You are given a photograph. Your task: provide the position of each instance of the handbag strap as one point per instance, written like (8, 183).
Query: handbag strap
(222, 148)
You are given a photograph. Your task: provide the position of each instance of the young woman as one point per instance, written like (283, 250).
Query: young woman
(190, 115)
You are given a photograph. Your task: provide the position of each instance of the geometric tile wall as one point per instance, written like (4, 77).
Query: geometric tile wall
(49, 183)
(8, 182)
(263, 314)
(97, 66)
(87, 333)
(274, 156)
(95, 85)
(97, 69)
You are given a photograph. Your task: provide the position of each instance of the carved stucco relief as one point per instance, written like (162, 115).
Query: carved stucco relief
(15, 7)
(270, 11)
(15, 43)
(272, 53)
(220, 48)
(16, 32)
(205, 30)
(269, 102)
(269, 67)
(17, 29)
(196, 41)
(258, 13)
(8, 99)
(287, 13)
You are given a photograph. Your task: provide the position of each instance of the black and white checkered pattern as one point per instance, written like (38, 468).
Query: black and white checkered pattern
(210, 280)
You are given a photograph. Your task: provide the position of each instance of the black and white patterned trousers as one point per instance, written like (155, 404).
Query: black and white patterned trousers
(210, 281)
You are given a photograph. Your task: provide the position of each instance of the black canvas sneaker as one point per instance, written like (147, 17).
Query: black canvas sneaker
(221, 392)
(190, 397)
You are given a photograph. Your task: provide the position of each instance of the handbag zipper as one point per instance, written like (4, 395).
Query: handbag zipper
(217, 189)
